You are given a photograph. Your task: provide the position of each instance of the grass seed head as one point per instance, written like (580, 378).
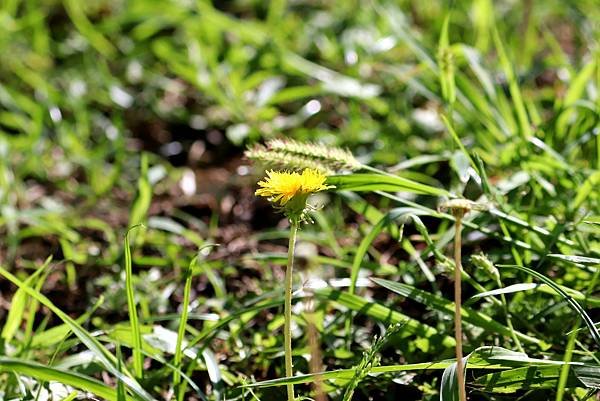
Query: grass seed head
(290, 154)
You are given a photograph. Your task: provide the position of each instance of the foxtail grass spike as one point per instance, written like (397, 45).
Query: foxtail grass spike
(296, 155)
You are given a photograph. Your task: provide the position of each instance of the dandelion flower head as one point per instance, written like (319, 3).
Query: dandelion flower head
(291, 189)
(282, 186)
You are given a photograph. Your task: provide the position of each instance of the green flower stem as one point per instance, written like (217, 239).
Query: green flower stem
(458, 213)
(288, 308)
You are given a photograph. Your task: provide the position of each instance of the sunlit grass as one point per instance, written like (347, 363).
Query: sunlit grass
(117, 114)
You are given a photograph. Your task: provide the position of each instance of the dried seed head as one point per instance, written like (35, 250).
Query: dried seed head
(460, 207)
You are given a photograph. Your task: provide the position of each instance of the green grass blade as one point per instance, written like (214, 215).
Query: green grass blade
(189, 274)
(384, 314)
(524, 378)
(364, 245)
(71, 396)
(579, 260)
(378, 182)
(46, 373)
(577, 295)
(572, 303)
(447, 307)
(56, 334)
(513, 86)
(446, 64)
(590, 184)
(75, 11)
(138, 359)
(139, 210)
(17, 305)
(484, 358)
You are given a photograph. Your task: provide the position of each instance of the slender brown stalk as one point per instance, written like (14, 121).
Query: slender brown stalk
(316, 358)
(458, 213)
(288, 309)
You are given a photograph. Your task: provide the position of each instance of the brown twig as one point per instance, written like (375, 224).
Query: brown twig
(458, 214)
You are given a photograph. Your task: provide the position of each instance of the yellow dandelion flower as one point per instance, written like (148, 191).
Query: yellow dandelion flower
(291, 189)
(282, 186)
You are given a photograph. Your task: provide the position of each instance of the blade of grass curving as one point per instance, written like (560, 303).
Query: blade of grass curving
(568, 356)
(347, 374)
(107, 359)
(449, 390)
(484, 358)
(17, 305)
(364, 245)
(519, 287)
(46, 373)
(76, 13)
(458, 142)
(138, 359)
(572, 303)
(383, 314)
(588, 375)
(524, 378)
(447, 307)
(587, 188)
(378, 182)
(56, 334)
(189, 273)
(513, 86)
(578, 260)
(211, 331)
(123, 337)
(139, 210)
